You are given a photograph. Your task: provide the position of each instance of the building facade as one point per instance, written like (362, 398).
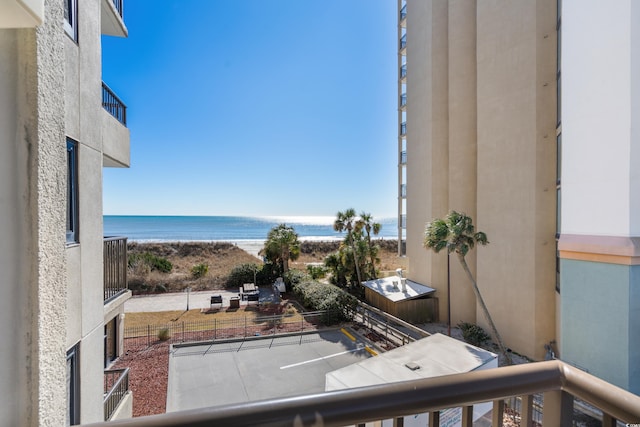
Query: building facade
(498, 119)
(63, 284)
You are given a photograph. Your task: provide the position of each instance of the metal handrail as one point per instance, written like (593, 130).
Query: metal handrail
(403, 41)
(114, 393)
(118, 4)
(114, 267)
(391, 401)
(113, 104)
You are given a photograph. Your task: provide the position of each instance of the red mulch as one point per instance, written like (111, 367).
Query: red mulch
(148, 375)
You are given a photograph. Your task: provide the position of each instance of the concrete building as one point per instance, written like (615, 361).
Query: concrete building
(62, 289)
(544, 168)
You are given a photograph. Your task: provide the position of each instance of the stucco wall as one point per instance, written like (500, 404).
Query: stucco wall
(32, 222)
(597, 334)
(481, 119)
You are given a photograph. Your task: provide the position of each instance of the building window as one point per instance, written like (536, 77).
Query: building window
(72, 191)
(110, 341)
(73, 386)
(71, 18)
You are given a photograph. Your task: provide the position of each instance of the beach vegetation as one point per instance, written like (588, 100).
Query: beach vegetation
(323, 296)
(366, 223)
(456, 233)
(148, 260)
(294, 277)
(241, 274)
(357, 257)
(317, 271)
(164, 334)
(281, 246)
(199, 270)
(473, 334)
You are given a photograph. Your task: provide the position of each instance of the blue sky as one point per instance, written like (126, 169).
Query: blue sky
(256, 107)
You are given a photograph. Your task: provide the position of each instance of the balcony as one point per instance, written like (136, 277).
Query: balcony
(403, 42)
(403, 72)
(403, 128)
(115, 135)
(116, 391)
(403, 221)
(403, 101)
(112, 18)
(403, 157)
(403, 191)
(115, 267)
(559, 384)
(403, 14)
(113, 104)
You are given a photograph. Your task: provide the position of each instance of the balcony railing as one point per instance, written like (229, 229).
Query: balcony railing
(559, 383)
(115, 266)
(403, 221)
(403, 71)
(403, 100)
(403, 190)
(403, 157)
(403, 12)
(118, 5)
(403, 128)
(116, 386)
(403, 42)
(113, 104)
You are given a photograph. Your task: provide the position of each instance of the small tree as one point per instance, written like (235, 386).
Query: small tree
(345, 221)
(366, 222)
(281, 246)
(457, 234)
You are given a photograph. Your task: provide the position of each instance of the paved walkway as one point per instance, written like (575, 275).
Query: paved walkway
(178, 301)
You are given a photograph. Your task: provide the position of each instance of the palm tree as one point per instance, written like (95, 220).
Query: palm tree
(282, 245)
(345, 221)
(366, 222)
(457, 233)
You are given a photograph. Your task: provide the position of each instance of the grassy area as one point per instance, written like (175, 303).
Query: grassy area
(197, 315)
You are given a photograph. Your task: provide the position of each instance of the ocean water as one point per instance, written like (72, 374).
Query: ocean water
(226, 228)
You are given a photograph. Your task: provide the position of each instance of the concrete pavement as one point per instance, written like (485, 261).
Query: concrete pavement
(178, 301)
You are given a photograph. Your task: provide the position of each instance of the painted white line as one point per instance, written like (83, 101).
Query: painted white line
(360, 347)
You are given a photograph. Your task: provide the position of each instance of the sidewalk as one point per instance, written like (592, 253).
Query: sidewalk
(178, 301)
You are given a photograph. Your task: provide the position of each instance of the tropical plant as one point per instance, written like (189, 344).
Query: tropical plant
(199, 270)
(345, 221)
(473, 334)
(281, 246)
(366, 222)
(457, 234)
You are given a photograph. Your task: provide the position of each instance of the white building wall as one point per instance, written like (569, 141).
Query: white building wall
(599, 189)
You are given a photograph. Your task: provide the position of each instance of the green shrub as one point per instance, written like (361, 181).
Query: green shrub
(241, 274)
(163, 334)
(317, 271)
(199, 270)
(153, 262)
(323, 296)
(473, 334)
(294, 277)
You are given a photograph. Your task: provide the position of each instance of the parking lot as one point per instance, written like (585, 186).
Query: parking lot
(258, 368)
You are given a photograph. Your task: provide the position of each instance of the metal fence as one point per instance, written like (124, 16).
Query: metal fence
(138, 337)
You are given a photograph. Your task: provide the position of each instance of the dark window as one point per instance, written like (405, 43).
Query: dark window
(72, 191)
(71, 18)
(73, 386)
